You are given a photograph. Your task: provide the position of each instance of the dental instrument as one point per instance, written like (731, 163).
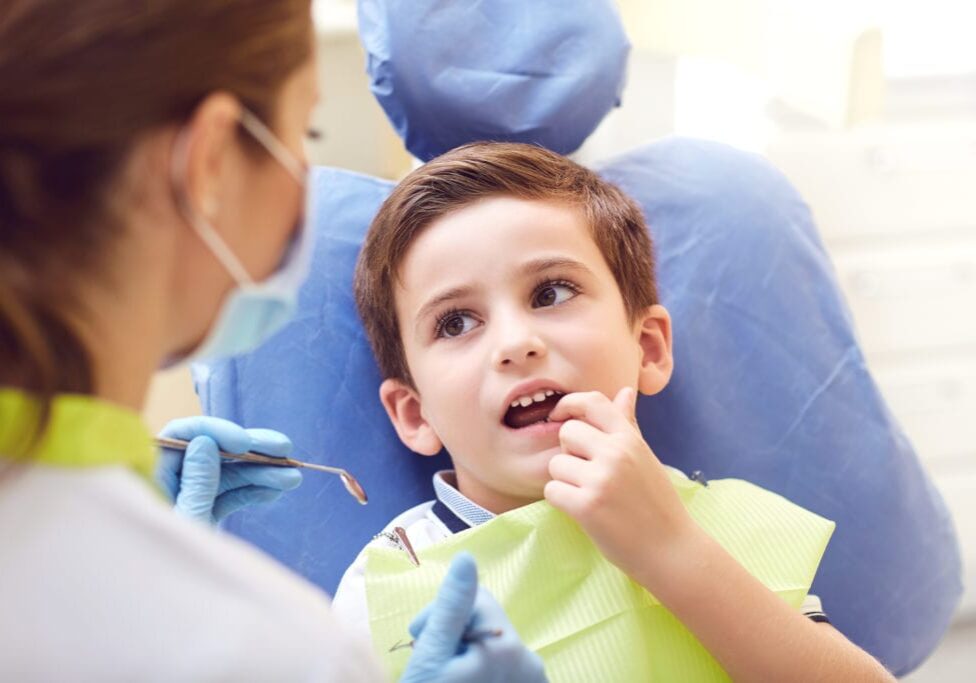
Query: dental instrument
(473, 636)
(352, 485)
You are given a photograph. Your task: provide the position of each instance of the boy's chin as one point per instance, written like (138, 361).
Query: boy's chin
(530, 485)
(538, 476)
(539, 457)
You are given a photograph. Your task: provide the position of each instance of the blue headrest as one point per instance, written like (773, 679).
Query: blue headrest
(448, 72)
(769, 385)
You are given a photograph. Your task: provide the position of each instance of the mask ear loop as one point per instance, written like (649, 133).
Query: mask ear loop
(218, 247)
(273, 146)
(270, 141)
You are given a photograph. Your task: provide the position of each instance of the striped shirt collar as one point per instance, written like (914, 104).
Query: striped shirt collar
(453, 508)
(458, 512)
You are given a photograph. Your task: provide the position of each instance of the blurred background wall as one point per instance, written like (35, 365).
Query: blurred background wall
(869, 107)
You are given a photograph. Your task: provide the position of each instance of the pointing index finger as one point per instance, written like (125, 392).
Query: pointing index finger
(593, 408)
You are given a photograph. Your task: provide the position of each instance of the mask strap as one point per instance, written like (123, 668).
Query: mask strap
(201, 226)
(275, 148)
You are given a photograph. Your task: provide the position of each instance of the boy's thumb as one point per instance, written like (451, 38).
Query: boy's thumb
(626, 401)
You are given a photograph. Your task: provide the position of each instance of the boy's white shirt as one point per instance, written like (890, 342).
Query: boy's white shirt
(423, 529)
(349, 603)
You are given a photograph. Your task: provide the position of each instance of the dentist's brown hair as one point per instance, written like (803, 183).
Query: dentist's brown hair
(81, 81)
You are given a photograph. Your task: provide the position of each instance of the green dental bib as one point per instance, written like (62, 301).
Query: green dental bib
(587, 619)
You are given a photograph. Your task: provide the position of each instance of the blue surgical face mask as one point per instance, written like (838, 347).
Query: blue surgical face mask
(252, 311)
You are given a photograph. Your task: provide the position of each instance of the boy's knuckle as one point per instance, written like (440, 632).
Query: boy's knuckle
(569, 429)
(595, 499)
(557, 464)
(615, 454)
(624, 442)
(602, 479)
(553, 465)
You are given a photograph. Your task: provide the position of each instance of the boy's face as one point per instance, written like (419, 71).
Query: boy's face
(505, 303)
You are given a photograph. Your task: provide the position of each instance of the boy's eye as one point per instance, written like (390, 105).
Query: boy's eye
(553, 294)
(455, 324)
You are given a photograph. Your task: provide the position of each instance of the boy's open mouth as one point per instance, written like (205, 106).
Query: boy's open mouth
(530, 409)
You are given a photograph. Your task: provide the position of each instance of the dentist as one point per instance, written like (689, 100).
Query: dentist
(151, 201)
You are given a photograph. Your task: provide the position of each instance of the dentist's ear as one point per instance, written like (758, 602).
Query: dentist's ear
(653, 330)
(402, 404)
(211, 133)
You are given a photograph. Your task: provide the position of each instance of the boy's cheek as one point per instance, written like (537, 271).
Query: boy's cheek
(453, 416)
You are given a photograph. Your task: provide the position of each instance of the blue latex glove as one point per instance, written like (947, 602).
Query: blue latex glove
(440, 656)
(207, 487)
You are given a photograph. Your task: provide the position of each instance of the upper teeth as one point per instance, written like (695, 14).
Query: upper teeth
(529, 399)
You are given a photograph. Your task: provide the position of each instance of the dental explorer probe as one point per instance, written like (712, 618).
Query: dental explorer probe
(354, 488)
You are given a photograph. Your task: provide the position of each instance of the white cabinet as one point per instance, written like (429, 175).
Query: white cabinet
(910, 295)
(934, 398)
(886, 181)
(896, 207)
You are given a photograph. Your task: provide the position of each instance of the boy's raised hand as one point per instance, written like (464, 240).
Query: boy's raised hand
(608, 479)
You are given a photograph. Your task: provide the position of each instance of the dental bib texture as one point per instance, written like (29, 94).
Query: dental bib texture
(770, 385)
(584, 617)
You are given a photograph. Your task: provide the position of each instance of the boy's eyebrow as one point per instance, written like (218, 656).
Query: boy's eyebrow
(446, 295)
(550, 262)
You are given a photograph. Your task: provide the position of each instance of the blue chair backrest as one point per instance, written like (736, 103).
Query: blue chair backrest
(770, 384)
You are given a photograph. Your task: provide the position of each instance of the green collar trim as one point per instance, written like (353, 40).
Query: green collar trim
(81, 432)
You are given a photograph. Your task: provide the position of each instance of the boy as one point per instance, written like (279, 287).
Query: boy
(508, 293)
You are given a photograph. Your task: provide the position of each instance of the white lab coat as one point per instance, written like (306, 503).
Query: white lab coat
(101, 581)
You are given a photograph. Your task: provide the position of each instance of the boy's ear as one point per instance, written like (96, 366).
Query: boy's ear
(402, 404)
(653, 328)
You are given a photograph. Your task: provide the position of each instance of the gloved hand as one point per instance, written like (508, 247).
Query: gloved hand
(440, 656)
(207, 487)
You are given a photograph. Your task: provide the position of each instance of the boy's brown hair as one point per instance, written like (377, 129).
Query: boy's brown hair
(492, 169)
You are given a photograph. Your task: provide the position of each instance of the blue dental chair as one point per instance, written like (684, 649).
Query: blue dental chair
(770, 384)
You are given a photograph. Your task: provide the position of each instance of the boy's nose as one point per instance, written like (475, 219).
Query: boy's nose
(519, 349)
